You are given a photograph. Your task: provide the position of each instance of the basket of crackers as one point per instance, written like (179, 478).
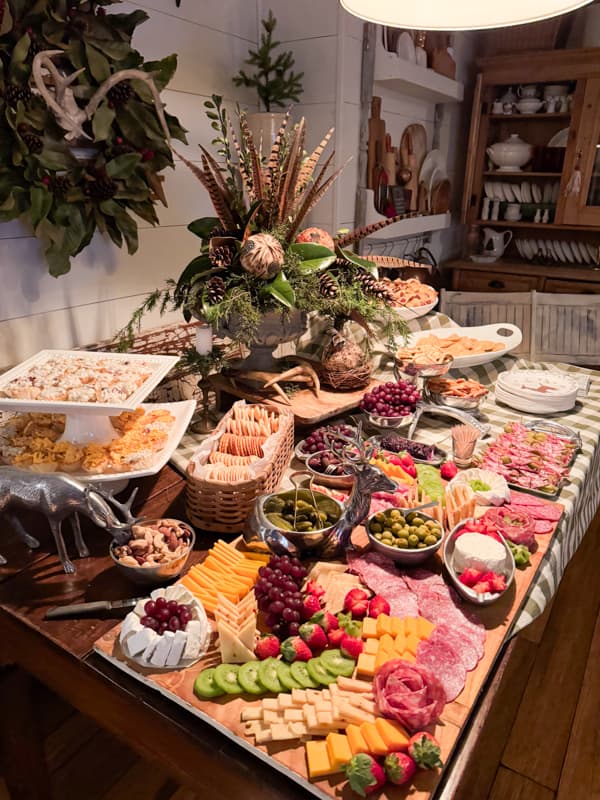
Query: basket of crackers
(245, 457)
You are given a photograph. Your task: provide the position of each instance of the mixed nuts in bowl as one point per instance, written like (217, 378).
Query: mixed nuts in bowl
(156, 552)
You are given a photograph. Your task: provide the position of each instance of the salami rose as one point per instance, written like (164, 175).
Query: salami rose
(408, 693)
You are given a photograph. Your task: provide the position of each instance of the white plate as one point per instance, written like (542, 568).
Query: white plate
(406, 47)
(159, 365)
(586, 253)
(434, 159)
(526, 192)
(555, 191)
(536, 193)
(577, 253)
(516, 189)
(568, 252)
(559, 251)
(519, 246)
(527, 249)
(482, 332)
(508, 192)
(489, 189)
(550, 250)
(437, 176)
(414, 312)
(483, 259)
(547, 192)
(559, 139)
(182, 411)
(535, 406)
(541, 248)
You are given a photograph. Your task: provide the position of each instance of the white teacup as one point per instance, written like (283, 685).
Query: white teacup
(530, 105)
(512, 212)
(555, 90)
(497, 107)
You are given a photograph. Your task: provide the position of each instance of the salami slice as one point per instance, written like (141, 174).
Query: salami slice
(409, 693)
(379, 574)
(439, 656)
(521, 499)
(543, 526)
(548, 513)
(462, 641)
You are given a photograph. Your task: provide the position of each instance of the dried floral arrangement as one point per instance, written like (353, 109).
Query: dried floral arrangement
(254, 256)
(60, 88)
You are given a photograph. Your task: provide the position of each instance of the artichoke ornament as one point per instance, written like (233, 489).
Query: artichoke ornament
(262, 255)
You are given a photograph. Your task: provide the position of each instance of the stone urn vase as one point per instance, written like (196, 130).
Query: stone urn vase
(275, 328)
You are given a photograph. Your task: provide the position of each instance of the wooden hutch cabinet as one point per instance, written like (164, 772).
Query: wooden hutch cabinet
(559, 184)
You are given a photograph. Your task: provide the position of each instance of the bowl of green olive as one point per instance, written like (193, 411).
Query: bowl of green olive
(404, 535)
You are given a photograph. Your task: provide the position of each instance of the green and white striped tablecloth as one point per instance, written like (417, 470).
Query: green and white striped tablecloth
(580, 497)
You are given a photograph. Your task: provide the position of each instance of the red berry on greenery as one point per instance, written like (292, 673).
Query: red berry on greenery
(119, 140)
(147, 155)
(46, 180)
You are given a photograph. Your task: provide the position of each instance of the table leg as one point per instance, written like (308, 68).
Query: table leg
(22, 758)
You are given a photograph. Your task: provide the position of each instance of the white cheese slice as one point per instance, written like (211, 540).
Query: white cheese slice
(177, 648)
(131, 624)
(140, 640)
(478, 551)
(163, 648)
(139, 607)
(157, 593)
(179, 593)
(194, 641)
(149, 651)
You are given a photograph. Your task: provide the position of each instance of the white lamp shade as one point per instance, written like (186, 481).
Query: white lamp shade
(458, 15)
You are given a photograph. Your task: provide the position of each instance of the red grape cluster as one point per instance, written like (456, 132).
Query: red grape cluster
(278, 594)
(166, 615)
(391, 399)
(323, 438)
(320, 462)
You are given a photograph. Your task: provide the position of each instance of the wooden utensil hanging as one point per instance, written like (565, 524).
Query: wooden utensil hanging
(376, 140)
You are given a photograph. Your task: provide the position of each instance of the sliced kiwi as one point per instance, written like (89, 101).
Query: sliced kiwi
(319, 673)
(299, 673)
(226, 678)
(268, 675)
(337, 663)
(205, 686)
(287, 680)
(248, 678)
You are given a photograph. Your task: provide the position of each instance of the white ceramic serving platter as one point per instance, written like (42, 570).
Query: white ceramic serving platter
(547, 192)
(434, 159)
(182, 411)
(519, 246)
(559, 251)
(559, 139)
(585, 251)
(535, 406)
(437, 176)
(516, 190)
(536, 193)
(414, 312)
(577, 252)
(526, 192)
(508, 192)
(541, 248)
(527, 249)
(537, 383)
(555, 191)
(489, 189)
(550, 250)
(482, 332)
(160, 366)
(568, 252)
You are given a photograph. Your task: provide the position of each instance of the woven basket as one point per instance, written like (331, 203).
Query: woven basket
(222, 507)
(346, 380)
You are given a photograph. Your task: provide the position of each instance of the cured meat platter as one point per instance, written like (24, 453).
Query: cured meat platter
(459, 644)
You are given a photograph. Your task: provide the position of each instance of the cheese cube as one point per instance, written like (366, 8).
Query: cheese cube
(310, 716)
(338, 750)
(325, 717)
(353, 714)
(293, 715)
(139, 641)
(412, 642)
(271, 703)
(354, 685)
(179, 593)
(162, 650)
(157, 593)
(370, 646)
(384, 624)
(356, 740)
(285, 701)
(281, 731)
(299, 696)
(369, 628)
(177, 648)
(365, 664)
(386, 643)
(375, 743)
(410, 626)
(272, 716)
(251, 713)
(397, 625)
(400, 643)
(383, 656)
(392, 733)
(424, 628)
(408, 656)
(298, 729)
(317, 759)
(148, 652)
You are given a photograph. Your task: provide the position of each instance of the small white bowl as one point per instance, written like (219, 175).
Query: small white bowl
(389, 423)
(414, 312)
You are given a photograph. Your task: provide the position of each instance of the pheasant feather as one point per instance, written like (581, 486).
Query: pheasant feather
(360, 233)
(221, 209)
(255, 166)
(291, 169)
(310, 202)
(310, 163)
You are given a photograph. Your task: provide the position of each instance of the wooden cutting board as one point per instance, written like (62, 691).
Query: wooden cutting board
(440, 197)
(376, 142)
(413, 149)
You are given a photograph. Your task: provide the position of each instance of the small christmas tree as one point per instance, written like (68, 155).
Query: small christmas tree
(274, 80)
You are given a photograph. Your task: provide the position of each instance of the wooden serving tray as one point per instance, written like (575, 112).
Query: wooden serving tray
(306, 407)
(289, 758)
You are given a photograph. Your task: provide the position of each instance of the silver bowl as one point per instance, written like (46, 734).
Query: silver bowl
(280, 540)
(439, 455)
(466, 403)
(344, 481)
(480, 599)
(155, 574)
(389, 423)
(409, 367)
(403, 555)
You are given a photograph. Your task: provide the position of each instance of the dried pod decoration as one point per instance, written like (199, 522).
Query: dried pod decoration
(262, 255)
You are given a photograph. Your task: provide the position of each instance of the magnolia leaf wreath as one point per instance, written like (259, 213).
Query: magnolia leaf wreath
(66, 187)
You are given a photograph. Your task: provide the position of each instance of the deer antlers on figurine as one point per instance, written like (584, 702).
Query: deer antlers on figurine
(69, 115)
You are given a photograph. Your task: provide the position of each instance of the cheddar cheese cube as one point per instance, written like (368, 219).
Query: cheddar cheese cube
(410, 626)
(400, 643)
(384, 625)
(365, 664)
(371, 646)
(375, 743)
(383, 656)
(317, 759)
(412, 642)
(408, 656)
(392, 733)
(338, 749)
(386, 642)
(369, 628)
(397, 625)
(424, 628)
(356, 740)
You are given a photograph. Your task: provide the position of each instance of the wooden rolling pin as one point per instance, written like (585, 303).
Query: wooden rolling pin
(376, 143)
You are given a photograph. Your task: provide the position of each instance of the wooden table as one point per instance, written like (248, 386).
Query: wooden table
(59, 654)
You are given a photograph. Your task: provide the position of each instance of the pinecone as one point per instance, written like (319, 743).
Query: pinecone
(103, 188)
(120, 94)
(34, 48)
(32, 142)
(328, 286)
(215, 290)
(61, 184)
(221, 255)
(372, 286)
(13, 93)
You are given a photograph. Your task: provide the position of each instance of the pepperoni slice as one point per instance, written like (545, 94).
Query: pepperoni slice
(445, 662)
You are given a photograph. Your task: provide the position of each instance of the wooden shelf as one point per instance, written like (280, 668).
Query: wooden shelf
(511, 117)
(518, 267)
(405, 227)
(540, 226)
(410, 79)
(497, 174)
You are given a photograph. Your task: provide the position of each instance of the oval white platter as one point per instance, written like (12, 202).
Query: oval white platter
(512, 339)
(414, 312)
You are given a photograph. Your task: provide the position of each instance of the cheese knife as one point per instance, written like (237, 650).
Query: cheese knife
(86, 609)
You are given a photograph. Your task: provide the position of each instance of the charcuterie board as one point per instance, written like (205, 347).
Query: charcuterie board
(289, 756)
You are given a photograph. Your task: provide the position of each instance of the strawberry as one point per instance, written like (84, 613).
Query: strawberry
(267, 647)
(481, 587)
(357, 603)
(425, 750)
(350, 626)
(408, 465)
(295, 649)
(470, 576)
(448, 470)
(335, 636)
(310, 605)
(326, 620)
(312, 587)
(378, 605)
(498, 583)
(365, 775)
(399, 768)
(351, 646)
(314, 636)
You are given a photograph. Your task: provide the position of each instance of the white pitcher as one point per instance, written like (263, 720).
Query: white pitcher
(495, 242)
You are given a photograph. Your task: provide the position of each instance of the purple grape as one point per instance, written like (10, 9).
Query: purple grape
(276, 607)
(293, 628)
(290, 615)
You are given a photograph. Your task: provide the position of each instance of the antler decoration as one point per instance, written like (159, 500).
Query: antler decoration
(69, 115)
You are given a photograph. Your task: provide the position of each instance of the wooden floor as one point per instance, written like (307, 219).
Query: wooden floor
(540, 741)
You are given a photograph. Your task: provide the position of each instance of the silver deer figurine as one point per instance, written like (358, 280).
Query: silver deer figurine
(59, 496)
